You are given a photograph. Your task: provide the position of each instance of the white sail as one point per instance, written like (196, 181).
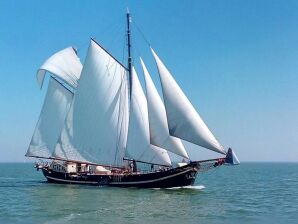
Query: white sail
(51, 120)
(183, 120)
(63, 148)
(96, 125)
(159, 132)
(138, 140)
(65, 65)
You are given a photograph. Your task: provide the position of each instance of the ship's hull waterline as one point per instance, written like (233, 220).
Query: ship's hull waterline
(183, 175)
(162, 179)
(173, 177)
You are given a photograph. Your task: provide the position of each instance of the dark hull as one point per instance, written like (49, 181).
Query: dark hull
(176, 177)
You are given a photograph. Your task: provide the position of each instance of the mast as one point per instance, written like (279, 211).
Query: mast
(128, 20)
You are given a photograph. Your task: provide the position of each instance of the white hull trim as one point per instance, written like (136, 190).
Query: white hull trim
(72, 181)
(150, 181)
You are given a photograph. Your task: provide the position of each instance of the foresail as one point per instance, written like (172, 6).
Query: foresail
(159, 132)
(51, 120)
(96, 125)
(138, 140)
(65, 65)
(183, 120)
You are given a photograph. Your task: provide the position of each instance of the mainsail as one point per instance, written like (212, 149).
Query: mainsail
(95, 129)
(65, 65)
(159, 132)
(183, 120)
(138, 140)
(51, 120)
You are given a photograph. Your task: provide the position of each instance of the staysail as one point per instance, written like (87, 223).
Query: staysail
(138, 140)
(159, 132)
(65, 65)
(183, 120)
(95, 129)
(51, 120)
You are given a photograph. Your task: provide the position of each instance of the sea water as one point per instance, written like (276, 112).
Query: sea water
(249, 193)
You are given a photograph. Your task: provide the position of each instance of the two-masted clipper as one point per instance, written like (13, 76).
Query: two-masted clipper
(97, 126)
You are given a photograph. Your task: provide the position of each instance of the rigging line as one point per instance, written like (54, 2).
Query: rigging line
(142, 34)
(137, 49)
(110, 28)
(115, 38)
(65, 86)
(109, 54)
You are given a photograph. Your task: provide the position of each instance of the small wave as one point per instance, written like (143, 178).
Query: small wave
(8, 178)
(197, 187)
(63, 219)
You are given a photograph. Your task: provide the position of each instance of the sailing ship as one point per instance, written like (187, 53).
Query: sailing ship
(97, 126)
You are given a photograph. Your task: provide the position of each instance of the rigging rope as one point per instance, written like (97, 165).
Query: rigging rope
(142, 34)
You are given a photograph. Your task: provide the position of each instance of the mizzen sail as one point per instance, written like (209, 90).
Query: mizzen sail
(96, 125)
(51, 120)
(183, 120)
(138, 140)
(159, 132)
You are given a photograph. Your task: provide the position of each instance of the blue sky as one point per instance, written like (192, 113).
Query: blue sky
(237, 61)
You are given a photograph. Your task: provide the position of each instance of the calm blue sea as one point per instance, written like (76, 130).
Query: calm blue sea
(249, 193)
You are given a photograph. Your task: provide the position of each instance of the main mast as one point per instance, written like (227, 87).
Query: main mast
(128, 20)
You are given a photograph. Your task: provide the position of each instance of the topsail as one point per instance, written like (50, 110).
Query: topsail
(183, 120)
(65, 65)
